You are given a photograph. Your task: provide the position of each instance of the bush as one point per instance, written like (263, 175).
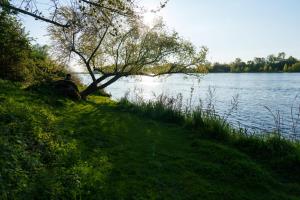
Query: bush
(44, 68)
(21, 61)
(14, 49)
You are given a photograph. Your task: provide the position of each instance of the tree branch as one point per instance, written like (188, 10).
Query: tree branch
(104, 7)
(109, 82)
(82, 58)
(7, 5)
(123, 39)
(99, 44)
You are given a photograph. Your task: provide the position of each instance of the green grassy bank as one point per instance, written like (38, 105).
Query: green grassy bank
(52, 148)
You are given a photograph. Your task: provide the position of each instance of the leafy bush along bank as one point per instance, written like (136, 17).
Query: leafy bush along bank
(53, 148)
(19, 59)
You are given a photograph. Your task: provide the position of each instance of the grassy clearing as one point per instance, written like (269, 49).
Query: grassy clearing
(53, 148)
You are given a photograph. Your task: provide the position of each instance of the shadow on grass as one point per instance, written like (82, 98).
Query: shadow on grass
(95, 150)
(150, 159)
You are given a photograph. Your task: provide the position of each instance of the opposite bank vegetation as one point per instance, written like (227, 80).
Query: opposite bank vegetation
(270, 64)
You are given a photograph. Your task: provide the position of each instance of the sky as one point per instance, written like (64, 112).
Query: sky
(229, 28)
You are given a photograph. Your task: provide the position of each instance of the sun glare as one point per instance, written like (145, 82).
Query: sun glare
(149, 18)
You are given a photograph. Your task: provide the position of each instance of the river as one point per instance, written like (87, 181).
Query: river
(263, 98)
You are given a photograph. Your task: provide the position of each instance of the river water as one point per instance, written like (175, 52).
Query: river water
(263, 98)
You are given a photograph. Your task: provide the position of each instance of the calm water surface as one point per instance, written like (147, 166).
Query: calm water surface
(277, 91)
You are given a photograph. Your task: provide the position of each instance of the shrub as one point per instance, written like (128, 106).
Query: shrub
(21, 61)
(14, 49)
(45, 68)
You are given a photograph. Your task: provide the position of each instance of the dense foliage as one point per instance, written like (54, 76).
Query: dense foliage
(272, 63)
(14, 49)
(19, 59)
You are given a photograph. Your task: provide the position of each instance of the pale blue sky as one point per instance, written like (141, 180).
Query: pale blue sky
(229, 28)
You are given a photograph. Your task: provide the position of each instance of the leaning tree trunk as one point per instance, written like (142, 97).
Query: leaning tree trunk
(93, 87)
(89, 90)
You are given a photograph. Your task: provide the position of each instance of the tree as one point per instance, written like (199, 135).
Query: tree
(47, 11)
(219, 68)
(285, 68)
(50, 14)
(238, 65)
(291, 60)
(271, 59)
(281, 56)
(102, 45)
(295, 68)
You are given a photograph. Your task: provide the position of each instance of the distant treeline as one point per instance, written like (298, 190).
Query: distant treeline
(272, 63)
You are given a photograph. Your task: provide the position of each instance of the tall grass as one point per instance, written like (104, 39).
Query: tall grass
(273, 150)
(293, 122)
(202, 118)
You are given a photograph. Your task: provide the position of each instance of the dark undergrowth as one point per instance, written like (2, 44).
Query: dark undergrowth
(54, 148)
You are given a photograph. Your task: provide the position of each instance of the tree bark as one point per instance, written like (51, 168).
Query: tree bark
(89, 90)
(93, 87)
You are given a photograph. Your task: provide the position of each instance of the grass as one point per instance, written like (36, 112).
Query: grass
(53, 148)
(273, 150)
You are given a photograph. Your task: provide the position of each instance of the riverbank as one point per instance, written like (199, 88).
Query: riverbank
(254, 92)
(53, 148)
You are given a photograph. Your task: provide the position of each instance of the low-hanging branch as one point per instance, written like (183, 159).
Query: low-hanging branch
(7, 5)
(31, 9)
(118, 11)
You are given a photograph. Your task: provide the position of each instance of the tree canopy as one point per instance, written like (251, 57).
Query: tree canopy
(115, 45)
(108, 37)
(47, 11)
